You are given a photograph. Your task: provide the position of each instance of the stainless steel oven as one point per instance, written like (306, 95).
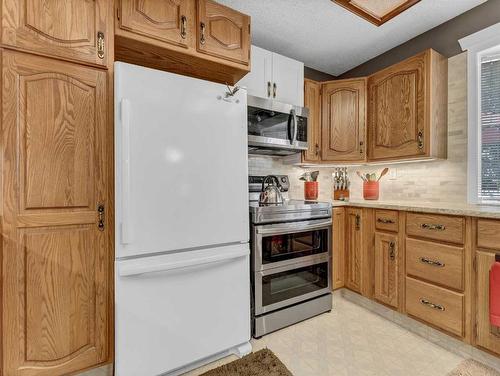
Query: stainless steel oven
(291, 263)
(276, 128)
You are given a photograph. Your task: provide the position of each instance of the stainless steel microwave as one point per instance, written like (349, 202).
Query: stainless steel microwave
(276, 128)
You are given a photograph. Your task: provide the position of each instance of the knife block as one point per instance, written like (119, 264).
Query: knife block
(341, 194)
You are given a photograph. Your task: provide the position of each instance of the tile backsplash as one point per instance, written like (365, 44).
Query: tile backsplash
(430, 181)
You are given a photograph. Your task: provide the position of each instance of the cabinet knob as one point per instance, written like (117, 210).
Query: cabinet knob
(275, 89)
(268, 89)
(361, 143)
(317, 149)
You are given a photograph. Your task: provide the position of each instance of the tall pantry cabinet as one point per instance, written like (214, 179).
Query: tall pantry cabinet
(57, 185)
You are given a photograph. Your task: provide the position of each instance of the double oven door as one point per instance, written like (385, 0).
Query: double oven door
(291, 263)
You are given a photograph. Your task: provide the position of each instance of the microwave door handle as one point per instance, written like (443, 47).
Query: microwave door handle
(292, 127)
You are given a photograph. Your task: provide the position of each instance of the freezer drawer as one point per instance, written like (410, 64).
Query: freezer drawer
(176, 309)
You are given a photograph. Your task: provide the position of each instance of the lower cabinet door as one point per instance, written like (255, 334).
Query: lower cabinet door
(55, 233)
(386, 268)
(487, 336)
(354, 249)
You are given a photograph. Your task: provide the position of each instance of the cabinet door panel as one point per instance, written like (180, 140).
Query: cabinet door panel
(488, 336)
(288, 80)
(259, 81)
(386, 269)
(169, 21)
(61, 28)
(312, 95)
(56, 260)
(223, 32)
(397, 126)
(338, 245)
(354, 249)
(344, 116)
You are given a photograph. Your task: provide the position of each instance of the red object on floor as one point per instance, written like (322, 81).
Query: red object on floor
(495, 292)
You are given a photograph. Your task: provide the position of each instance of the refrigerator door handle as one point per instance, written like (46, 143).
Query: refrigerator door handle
(125, 162)
(155, 267)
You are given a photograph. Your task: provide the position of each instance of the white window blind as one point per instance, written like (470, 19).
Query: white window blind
(489, 177)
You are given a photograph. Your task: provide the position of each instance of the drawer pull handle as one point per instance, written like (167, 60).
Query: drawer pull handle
(431, 305)
(427, 261)
(385, 221)
(183, 27)
(202, 31)
(429, 226)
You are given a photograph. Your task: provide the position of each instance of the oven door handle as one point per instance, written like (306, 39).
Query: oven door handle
(291, 227)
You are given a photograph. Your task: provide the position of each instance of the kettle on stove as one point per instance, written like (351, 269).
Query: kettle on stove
(270, 194)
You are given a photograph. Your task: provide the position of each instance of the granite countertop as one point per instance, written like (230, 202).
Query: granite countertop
(485, 211)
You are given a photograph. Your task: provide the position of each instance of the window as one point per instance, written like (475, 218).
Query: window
(489, 139)
(483, 97)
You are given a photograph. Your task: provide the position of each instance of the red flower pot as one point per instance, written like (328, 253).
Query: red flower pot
(311, 190)
(370, 190)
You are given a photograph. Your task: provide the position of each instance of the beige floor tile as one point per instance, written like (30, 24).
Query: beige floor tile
(352, 341)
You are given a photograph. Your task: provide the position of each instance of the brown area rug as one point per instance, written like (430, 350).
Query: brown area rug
(262, 362)
(472, 368)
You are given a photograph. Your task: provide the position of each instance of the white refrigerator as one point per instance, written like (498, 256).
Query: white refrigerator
(182, 284)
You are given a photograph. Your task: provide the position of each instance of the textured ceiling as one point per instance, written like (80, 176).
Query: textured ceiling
(329, 38)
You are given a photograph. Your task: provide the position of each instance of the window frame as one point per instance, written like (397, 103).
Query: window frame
(477, 45)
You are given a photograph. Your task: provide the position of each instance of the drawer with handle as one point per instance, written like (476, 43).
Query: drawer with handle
(435, 262)
(435, 226)
(435, 305)
(386, 220)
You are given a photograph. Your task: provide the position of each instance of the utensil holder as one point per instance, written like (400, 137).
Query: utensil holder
(370, 190)
(310, 190)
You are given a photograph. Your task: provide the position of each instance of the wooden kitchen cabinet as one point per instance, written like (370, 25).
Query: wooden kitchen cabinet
(198, 38)
(338, 247)
(312, 100)
(343, 120)
(171, 22)
(386, 269)
(56, 259)
(222, 32)
(487, 336)
(354, 249)
(407, 110)
(69, 29)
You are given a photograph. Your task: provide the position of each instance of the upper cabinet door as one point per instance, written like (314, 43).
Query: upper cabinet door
(397, 123)
(71, 29)
(259, 81)
(169, 21)
(56, 252)
(223, 32)
(344, 117)
(312, 95)
(288, 80)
